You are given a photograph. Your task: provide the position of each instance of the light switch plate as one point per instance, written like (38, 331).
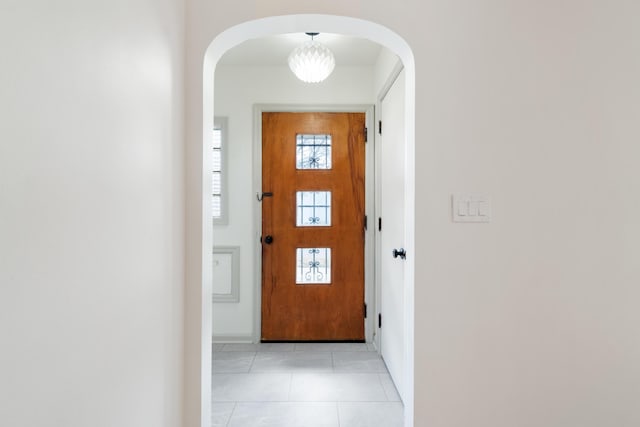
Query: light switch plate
(471, 208)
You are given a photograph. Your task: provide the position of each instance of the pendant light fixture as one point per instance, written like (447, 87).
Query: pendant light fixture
(312, 62)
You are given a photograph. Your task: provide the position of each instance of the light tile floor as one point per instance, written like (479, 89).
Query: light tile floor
(302, 385)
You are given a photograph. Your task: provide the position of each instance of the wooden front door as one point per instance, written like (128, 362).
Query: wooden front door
(313, 167)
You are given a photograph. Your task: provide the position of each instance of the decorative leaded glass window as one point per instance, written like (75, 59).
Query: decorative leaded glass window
(313, 151)
(313, 266)
(313, 208)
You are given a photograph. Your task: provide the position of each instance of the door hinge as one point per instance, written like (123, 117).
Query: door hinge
(365, 222)
(366, 134)
(379, 223)
(379, 320)
(364, 308)
(380, 127)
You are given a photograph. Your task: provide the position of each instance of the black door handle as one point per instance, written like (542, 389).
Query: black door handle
(268, 239)
(400, 253)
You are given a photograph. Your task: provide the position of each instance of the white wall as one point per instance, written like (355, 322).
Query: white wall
(385, 65)
(237, 90)
(91, 213)
(532, 319)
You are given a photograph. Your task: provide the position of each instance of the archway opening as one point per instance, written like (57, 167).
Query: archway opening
(295, 24)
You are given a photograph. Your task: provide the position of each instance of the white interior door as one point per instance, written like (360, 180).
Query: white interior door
(392, 169)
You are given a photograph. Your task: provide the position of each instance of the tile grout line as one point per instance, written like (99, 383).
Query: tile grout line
(384, 389)
(290, 387)
(235, 404)
(252, 362)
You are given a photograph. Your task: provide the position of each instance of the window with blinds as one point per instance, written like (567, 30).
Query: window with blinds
(218, 184)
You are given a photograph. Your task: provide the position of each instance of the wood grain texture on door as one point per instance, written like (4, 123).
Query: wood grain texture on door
(329, 306)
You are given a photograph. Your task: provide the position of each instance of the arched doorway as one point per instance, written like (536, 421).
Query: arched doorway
(291, 24)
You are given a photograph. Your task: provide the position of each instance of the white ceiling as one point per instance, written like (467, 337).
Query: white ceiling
(274, 50)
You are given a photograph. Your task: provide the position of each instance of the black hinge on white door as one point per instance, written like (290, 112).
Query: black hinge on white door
(380, 127)
(379, 223)
(379, 320)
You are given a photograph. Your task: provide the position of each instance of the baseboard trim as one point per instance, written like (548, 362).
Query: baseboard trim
(316, 341)
(232, 339)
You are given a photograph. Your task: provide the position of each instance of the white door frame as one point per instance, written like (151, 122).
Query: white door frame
(200, 350)
(369, 271)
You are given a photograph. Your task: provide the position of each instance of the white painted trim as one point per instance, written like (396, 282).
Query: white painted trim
(391, 79)
(369, 286)
(256, 153)
(232, 339)
(234, 294)
(199, 351)
(369, 242)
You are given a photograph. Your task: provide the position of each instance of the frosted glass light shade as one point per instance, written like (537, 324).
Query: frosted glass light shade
(312, 62)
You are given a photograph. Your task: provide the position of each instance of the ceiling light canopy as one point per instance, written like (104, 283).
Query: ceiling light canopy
(312, 62)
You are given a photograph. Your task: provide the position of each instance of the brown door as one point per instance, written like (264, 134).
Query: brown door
(313, 226)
